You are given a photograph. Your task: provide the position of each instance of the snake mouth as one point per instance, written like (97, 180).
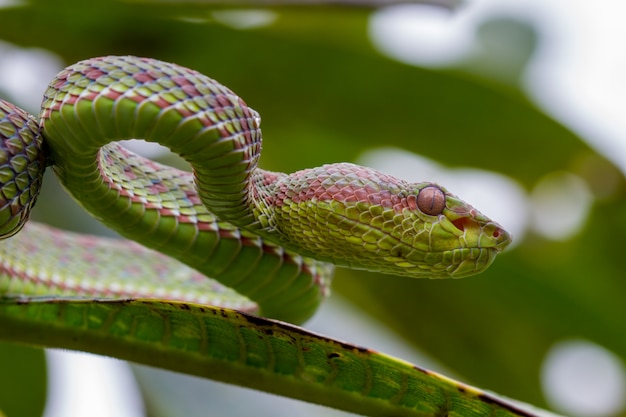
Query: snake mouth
(470, 261)
(482, 235)
(453, 263)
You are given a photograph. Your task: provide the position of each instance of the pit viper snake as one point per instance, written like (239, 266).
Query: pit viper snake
(269, 241)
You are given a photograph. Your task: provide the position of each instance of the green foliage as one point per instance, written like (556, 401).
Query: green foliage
(22, 380)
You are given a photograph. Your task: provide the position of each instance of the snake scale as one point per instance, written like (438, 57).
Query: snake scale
(269, 241)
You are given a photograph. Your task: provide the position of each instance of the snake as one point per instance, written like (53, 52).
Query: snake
(253, 243)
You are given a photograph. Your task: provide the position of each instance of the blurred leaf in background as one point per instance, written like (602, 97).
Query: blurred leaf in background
(22, 380)
(326, 94)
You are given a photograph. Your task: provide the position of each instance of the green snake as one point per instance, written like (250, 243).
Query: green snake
(269, 241)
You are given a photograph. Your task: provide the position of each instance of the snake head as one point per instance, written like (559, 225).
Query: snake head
(461, 239)
(361, 218)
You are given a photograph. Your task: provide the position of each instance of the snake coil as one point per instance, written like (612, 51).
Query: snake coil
(253, 230)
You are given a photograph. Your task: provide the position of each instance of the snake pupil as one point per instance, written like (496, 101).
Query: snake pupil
(431, 200)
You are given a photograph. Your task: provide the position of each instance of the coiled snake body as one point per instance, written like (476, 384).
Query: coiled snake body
(255, 231)
(270, 239)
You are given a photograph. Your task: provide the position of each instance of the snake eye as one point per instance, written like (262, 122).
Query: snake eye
(431, 200)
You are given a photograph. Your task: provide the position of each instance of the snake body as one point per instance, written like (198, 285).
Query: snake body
(270, 239)
(255, 231)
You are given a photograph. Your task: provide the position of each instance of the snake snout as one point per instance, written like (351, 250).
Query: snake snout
(474, 228)
(492, 235)
(486, 233)
(501, 237)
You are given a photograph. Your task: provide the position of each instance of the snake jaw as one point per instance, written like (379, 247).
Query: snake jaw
(477, 261)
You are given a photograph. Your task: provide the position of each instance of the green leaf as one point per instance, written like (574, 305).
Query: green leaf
(253, 352)
(22, 380)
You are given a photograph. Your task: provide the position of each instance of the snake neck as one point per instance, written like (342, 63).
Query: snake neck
(261, 197)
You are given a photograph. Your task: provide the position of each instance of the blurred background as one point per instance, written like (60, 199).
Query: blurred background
(514, 105)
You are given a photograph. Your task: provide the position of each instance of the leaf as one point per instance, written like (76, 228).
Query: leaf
(22, 380)
(259, 353)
